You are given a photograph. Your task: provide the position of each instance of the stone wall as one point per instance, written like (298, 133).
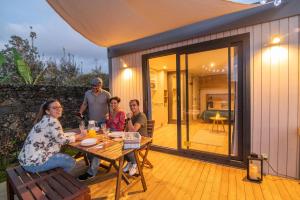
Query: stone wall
(19, 105)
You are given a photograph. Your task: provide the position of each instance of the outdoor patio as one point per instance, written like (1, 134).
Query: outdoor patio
(175, 177)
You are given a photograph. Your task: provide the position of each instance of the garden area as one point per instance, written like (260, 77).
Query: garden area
(26, 80)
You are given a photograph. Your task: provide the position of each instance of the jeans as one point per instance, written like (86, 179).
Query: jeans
(94, 165)
(58, 160)
(130, 158)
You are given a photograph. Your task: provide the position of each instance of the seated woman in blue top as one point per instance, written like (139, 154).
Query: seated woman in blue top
(41, 148)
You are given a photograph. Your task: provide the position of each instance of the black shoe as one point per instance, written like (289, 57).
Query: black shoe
(84, 177)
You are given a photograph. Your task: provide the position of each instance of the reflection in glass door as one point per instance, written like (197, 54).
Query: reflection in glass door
(209, 101)
(163, 88)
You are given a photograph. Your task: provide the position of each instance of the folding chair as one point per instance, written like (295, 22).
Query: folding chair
(144, 152)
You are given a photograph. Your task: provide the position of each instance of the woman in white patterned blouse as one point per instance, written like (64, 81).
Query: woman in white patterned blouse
(42, 145)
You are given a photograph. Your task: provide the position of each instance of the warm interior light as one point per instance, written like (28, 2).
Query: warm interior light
(212, 64)
(164, 67)
(276, 40)
(125, 65)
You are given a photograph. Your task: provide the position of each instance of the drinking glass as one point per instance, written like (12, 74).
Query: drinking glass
(81, 126)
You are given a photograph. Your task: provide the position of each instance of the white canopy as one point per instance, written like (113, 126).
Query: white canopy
(112, 22)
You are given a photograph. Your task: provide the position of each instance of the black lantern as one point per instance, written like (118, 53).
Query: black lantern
(255, 168)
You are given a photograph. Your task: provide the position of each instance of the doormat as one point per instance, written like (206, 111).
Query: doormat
(207, 137)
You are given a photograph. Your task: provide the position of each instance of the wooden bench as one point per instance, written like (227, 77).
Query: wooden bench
(54, 184)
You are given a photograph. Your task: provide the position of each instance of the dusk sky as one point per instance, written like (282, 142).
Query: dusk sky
(53, 33)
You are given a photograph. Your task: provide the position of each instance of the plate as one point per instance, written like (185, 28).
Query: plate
(88, 142)
(70, 134)
(116, 134)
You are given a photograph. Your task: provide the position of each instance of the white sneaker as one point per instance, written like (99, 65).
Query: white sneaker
(133, 169)
(127, 167)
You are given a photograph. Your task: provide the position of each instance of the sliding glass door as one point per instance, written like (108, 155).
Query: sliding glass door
(197, 98)
(209, 101)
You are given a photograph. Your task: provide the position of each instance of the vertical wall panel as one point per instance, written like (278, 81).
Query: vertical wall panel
(274, 82)
(298, 130)
(283, 96)
(265, 90)
(256, 126)
(293, 97)
(274, 102)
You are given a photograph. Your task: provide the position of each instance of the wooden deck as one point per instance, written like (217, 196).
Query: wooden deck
(175, 177)
(166, 136)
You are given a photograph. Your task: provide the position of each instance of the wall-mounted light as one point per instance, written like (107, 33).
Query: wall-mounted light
(125, 65)
(127, 74)
(275, 40)
(275, 2)
(164, 67)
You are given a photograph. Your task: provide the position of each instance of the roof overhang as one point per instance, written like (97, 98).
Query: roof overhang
(249, 17)
(114, 22)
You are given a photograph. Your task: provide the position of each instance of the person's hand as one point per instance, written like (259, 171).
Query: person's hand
(107, 116)
(79, 114)
(129, 115)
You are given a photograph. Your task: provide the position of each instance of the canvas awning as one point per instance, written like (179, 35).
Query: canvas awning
(113, 22)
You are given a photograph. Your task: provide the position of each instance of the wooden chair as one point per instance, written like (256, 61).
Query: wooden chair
(54, 184)
(144, 152)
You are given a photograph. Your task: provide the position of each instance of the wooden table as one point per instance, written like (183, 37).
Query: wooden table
(114, 153)
(218, 121)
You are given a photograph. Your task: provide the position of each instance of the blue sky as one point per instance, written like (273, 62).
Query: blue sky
(16, 16)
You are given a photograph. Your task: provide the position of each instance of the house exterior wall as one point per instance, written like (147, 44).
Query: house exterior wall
(275, 96)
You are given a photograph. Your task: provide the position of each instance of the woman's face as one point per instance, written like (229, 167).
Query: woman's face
(114, 104)
(55, 110)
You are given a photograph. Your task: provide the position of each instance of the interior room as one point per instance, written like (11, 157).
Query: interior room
(205, 111)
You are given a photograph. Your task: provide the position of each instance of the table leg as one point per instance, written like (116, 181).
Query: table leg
(140, 170)
(212, 128)
(119, 177)
(223, 125)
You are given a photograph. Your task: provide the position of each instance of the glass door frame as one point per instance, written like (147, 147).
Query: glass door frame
(239, 111)
(244, 85)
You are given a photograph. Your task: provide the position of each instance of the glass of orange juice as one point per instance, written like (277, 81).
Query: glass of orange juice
(91, 132)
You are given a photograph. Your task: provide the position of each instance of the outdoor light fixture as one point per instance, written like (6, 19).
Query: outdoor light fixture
(127, 73)
(275, 40)
(263, 2)
(276, 2)
(255, 168)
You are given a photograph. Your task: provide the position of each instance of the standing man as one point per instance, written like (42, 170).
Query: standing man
(96, 100)
(136, 122)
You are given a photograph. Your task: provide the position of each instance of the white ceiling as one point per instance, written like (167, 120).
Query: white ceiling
(112, 22)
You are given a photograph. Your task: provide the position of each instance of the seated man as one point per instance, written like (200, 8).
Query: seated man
(136, 122)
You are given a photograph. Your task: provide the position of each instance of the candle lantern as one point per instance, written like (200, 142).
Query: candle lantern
(255, 168)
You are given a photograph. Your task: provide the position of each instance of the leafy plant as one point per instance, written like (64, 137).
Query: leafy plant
(22, 67)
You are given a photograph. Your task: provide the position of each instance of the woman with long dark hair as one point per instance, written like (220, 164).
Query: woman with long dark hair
(41, 148)
(116, 117)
